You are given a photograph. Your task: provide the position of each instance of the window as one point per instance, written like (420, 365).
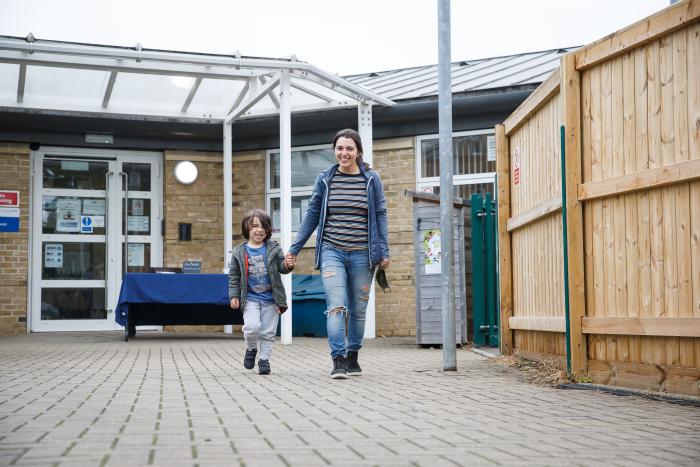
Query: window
(474, 163)
(307, 162)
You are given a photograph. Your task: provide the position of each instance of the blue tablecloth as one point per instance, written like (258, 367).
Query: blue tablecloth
(210, 289)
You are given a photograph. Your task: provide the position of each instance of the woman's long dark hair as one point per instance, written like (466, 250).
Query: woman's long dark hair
(355, 136)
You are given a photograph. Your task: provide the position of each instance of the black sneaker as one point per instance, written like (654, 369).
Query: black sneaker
(264, 367)
(353, 368)
(339, 368)
(249, 360)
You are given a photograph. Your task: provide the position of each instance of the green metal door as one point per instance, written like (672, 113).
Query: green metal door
(484, 277)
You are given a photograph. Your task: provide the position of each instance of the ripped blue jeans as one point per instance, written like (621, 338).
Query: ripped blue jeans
(347, 278)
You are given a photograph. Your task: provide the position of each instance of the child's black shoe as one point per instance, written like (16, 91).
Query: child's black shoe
(249, 360)
(264, 367)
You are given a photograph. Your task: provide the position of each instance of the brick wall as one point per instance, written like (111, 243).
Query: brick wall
(14, 247)
(396, 311)
(201, 204)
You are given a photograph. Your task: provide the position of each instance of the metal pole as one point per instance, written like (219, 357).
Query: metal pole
(364, 127)
(449, 353)
(228, 201)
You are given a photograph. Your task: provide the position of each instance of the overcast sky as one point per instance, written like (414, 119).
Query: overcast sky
(344, 37)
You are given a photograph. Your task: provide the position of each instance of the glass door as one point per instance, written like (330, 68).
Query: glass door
(96, 214)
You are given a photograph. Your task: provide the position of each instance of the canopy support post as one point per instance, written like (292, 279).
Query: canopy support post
(286, 195)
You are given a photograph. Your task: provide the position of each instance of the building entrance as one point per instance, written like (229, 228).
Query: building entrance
(95, 215)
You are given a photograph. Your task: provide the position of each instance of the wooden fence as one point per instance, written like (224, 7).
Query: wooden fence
(630, 106)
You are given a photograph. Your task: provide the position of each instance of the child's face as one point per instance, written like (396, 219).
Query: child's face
(257, 232)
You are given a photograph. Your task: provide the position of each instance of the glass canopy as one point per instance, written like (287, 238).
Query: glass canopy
(46, 76)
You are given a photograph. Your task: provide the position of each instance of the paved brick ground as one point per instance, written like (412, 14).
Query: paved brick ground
(170, 399)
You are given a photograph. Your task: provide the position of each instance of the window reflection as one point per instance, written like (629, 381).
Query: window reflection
(65, 304)
(466, 191)
(138, 257)
(67, 261)
(299, 206)
(470, 156)
(75, 174)
(139, 176)
(306, 164)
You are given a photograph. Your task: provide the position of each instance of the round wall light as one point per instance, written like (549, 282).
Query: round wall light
(185, 172)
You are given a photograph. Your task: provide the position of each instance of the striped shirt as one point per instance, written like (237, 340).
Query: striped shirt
(346, 221)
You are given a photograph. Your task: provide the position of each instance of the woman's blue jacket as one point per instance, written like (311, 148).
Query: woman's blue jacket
(315, 218)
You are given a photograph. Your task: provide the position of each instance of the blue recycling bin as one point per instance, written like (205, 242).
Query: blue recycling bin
(308, 306)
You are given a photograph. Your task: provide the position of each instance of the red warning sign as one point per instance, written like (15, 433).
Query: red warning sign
(9, 198)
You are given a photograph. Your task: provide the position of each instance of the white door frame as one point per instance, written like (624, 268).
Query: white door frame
(113, 239)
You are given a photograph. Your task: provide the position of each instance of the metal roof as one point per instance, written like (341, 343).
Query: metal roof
(467, 76)
(85, 79)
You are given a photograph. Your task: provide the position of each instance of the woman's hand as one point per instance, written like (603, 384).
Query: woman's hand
(384, 264)
(235, 303)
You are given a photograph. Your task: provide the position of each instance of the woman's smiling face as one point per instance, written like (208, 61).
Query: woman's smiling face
(346, 155)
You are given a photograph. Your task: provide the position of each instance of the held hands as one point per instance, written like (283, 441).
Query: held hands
(235, 303)
(290, 261)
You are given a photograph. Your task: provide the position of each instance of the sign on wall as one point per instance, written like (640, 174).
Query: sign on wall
(9, 211)
(516, 166)
(432, 251)
(491, 148)
(192, 267)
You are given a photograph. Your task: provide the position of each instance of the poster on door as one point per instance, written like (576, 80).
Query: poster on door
(135, 254)
(137, 223)
(432, 251)
(93, 207)
(53, 255)
(137, 207)
(68, 215)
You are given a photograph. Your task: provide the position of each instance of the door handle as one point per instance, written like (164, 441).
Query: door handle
(106, 217)
(125, 212)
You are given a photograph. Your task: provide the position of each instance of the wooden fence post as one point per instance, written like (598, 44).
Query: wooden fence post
(505, 273)
(571, 100)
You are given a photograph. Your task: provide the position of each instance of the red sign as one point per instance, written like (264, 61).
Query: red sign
(9, 198)
(516, 166)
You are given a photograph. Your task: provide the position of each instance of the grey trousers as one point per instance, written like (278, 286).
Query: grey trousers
(260, 326)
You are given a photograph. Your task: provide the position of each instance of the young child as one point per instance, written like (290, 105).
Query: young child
(255, 286)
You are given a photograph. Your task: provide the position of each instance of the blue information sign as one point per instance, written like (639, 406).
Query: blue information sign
(85, 224)
(9, 224)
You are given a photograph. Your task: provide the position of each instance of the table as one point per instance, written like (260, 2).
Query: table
(169, 299)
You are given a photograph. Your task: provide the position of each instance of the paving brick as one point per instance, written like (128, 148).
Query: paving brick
(176, 400)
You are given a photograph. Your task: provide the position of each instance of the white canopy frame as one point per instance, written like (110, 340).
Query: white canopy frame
(266, 87)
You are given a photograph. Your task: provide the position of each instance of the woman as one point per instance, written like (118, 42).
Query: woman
(348, 212)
